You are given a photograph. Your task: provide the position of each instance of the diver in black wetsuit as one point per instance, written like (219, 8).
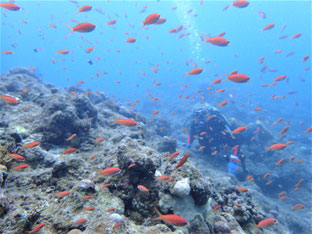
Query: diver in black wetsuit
(213, 131)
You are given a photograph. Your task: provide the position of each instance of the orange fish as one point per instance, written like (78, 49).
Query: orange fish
(299, 161)
(308, 130)
(155, 113)
(202, 133)
(161, 21)
(87, 197)
(283, 198)
(292, 158)
(9, 100)
(195, 71)
(37, 228)
(285, 129)
(131, 40)
(238, 78)
(125, 122)
(83, 28)
(242, 189)
(142, 188)
(266, 175)
(202, 147)
(296, 36)
(110, 209)
(85, 8)
(239, 130)
(282, 193)
(31, 144)
(7, 52)
(280, 162)
(17, 157)
(110, 171)
(289, 143)
(163, 178)
(182, 161)
(20, 167)
(223, 103)
(105, 185)
(89, 49)
(269, 182)
(250, 178)
(218, 41)
(116, 225)
(173, 155)
(277, 147)
(80, 221)
(10, 6)
(91, 158)
(69, 151)
(220, 90)
(216, 208)
(266, 223)
(217, 81)
(111, 22)
(151, 19)
(62, 194)
(99, 139)
(298, 207)
(257, 109)
(62, 51)
(131, 165)
(71, 137)
(268, 27)
(299, 182)
(89, 208)
(280, 78)
(172, 219)
(240, 3)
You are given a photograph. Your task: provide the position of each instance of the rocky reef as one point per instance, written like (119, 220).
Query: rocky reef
(70, 193)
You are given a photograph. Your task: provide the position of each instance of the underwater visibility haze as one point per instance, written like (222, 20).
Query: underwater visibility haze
(155, 117)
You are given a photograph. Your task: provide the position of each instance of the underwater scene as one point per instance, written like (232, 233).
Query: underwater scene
(152, 117)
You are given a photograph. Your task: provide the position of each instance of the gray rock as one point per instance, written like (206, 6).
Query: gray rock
(116, 218)
(167, 145)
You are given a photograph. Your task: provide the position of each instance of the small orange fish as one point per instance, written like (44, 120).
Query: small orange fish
(223, 103)
(87, 197)
(257, 109)
(182, 161)
(269, 182)
(285, 129)
(216, 208)
(62, 51)
(37, 228)
(111, 22)
(299, 182)
(69, 151)
(91, 158)
(277, 147)
(155, 113)
(20, 167)
(131, 165)
(242, 189)
(282, 193)
(7, 52)
(266, 175)
(289, 143)
(280, 162)
(217, 81)
(99, 140)
(125, 122)
(298, 207)
(173, 155)
(250, 178)
(80, 221)
(218, 41)
(9, 100)
(10, 6)
(238, 78)
(71, 137)
(116, 225)
(85, 8)
(142, 188)
(283, 198)
(172, 219)
(195, 71)
(83, 28)
(89, 49)
(110, 171)
(239, 130)
(220, 91)
(110, 209)
(268, 27)
(308, 130)
(105, 185)
(266, 223)
(202, 147)
(62, 194)
(131, 40)
(202, 133)
(163, 178)
(151, 19)
(89, 208)
(17, 157)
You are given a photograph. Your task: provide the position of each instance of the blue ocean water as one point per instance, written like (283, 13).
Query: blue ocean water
(155, 46)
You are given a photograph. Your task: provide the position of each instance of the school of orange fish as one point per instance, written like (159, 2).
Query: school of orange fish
(155, 19)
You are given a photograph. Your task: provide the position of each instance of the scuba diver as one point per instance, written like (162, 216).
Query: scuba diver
(214, 134)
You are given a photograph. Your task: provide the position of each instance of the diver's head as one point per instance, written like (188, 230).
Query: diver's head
(200, 109)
